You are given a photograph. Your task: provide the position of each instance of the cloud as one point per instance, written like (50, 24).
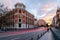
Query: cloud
(48, 18)
(46, 8)
(33, 9)
(40, 8)
(7, 3)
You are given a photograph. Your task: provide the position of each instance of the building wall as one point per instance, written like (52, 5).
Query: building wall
(11, 19)
(58, 18)
(27, 18)
(41, 22)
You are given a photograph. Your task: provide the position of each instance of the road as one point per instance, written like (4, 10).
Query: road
(32, 34)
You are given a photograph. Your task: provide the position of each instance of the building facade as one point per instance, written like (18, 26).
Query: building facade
(56, 19)
(35, 23)
(18, 18)
(41, 23)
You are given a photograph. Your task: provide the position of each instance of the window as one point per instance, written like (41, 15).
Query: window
(19, 20)
(19, 25)
(19, 11)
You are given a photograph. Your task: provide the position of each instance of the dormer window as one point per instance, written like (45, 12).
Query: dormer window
(19, 11)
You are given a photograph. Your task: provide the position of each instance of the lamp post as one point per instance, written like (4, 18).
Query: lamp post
(26, 20)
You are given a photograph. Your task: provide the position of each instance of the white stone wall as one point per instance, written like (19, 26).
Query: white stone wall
(4, 27)
(16, 25)
(31, 26)
(23, 25)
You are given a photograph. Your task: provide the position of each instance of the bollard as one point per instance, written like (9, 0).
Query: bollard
(38, 37)
(41, 34)
(31, 38)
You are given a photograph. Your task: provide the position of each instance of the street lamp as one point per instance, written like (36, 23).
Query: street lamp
(26, 20)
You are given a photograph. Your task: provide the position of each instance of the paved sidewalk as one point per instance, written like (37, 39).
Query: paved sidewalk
(56, 33)
(47, 36)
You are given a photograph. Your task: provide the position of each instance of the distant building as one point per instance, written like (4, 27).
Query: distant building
(41, 22)
(56, 19)
(18, 18)
(35, 23)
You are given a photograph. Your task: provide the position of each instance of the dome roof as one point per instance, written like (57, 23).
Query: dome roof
(20, 4)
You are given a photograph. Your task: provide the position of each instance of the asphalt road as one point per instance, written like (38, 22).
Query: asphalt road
(33, 34)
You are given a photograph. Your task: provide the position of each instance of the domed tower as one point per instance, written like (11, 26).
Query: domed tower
(20, 5)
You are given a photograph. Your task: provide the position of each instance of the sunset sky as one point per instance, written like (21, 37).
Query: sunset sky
(42, 9)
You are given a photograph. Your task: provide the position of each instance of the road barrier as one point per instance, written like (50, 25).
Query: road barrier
(31, 38)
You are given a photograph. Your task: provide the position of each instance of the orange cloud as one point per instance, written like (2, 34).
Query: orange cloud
(49, 18)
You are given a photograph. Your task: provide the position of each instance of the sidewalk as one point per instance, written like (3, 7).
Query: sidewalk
(56, 33)
(47, 36)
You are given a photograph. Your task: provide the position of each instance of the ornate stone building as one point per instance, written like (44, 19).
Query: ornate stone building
(58, 17)
(41, 23)
(18, 18)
